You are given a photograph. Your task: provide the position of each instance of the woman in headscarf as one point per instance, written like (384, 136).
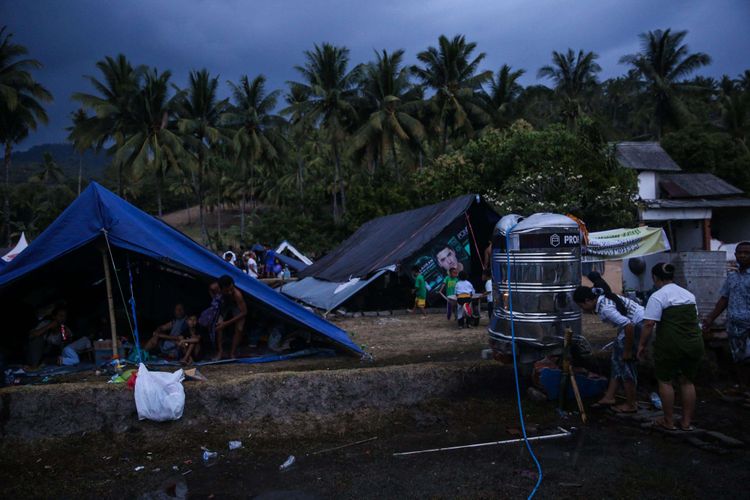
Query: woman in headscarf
(678, 346)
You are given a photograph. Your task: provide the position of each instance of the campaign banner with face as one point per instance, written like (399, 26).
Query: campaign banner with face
(452, 249)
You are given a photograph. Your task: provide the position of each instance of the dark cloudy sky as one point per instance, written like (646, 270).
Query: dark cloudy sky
(234, 37)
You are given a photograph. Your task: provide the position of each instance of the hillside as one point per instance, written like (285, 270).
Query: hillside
(25, 163)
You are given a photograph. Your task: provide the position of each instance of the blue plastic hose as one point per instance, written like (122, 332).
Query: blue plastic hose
(515, 368)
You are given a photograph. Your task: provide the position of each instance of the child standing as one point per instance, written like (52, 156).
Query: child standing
(487, 277)
(449, 289)
(420, 291)
(464, 292)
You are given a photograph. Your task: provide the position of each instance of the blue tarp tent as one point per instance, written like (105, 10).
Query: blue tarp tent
(98, 211)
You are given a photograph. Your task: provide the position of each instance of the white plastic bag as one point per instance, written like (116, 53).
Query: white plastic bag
(159, 396)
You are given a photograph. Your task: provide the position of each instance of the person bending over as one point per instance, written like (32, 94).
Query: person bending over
(627, 316)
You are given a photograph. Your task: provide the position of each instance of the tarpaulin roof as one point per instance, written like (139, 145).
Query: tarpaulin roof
(294, 264)
(98, 211)
(388, 240)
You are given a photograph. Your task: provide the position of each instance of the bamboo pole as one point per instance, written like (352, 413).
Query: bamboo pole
(563, 433)
(111, 304)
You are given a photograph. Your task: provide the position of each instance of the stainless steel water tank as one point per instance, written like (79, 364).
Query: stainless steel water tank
(545, 269)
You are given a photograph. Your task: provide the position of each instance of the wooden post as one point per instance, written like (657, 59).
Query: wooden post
(111, 303)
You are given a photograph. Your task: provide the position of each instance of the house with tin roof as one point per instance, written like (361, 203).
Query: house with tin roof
(692, 207)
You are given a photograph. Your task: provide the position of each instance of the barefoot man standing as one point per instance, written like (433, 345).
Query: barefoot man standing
(233, 313)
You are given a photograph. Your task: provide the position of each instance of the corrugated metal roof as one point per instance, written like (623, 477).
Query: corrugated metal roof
(644, 156)
(698, 203)
(696, 186)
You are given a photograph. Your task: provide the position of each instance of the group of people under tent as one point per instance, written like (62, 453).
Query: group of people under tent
(217, 332)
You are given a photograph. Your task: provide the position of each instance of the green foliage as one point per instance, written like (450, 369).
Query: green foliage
(698, 150)
(357, 140)
(553, 170)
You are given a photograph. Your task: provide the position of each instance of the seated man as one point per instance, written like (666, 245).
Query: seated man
(52, 332)
(233, 313)
(190, 346)
(169, 335)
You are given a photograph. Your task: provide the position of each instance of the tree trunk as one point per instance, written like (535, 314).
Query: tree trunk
(339, 180)
(6, 163)
(395, 161)
(80, 170)
(300, 175)
(218, 210)
(187, 209)
(119, 179)
(201, 200)
(445, 135)
(159, 188)
(243, 201)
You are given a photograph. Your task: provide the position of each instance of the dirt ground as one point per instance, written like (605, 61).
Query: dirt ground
(603, 459)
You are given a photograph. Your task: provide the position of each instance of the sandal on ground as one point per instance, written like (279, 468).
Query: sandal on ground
(689, 428)
(659, 422)
(599, 405)
(619, 409)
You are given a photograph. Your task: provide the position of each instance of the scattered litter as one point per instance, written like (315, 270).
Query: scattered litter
(234, 445)
(188, 462)
(656, 400)
(139, 468)
(48, 467)
(194, 374)
(209, 455)
(288, 463)
(174, 467)
(343, 446)
(186, 472)
(535, 394)
(157, 469)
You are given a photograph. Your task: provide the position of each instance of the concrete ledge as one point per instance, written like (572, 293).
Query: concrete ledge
(294, 403)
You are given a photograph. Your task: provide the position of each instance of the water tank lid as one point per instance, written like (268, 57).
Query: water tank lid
(533, 222)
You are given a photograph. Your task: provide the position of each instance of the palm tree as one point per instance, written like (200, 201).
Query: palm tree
(257, 138)
(394, 101)
(50, 171)
(452, 73)
(151, 143)
(501, 96)
(183, 188)
(201, 114)
(298, 131)
(735, 109)
(20, 105)
(79, 140)
(574, 75)
(331, 93)
(663, 62)
(117, 90)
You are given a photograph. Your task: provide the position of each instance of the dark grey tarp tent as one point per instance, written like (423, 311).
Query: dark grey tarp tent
(432, 237)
